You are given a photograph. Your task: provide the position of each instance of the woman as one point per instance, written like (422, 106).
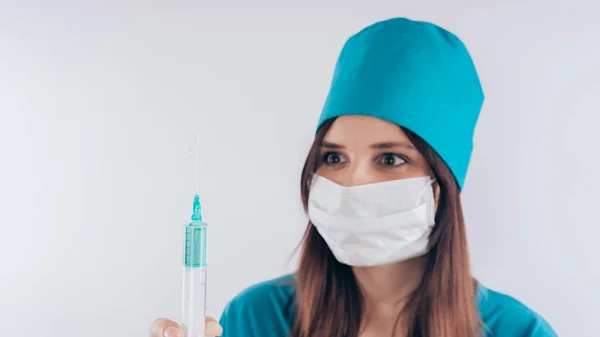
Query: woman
(385, 252)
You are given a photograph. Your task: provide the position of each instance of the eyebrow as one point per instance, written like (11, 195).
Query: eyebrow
(382, 145)
(329, 145)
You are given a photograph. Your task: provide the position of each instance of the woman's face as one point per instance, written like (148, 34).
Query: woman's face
(360, 150)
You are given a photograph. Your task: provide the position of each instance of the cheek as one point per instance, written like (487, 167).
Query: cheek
(418, 168)
(338, 175)
(322, 171)
(348, 174)
(367, 172)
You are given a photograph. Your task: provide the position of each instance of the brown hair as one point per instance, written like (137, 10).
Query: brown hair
(328, 300)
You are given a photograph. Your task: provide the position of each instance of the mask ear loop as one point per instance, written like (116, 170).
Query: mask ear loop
(435, 186)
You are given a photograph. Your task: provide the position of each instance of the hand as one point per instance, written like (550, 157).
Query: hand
(163, 327)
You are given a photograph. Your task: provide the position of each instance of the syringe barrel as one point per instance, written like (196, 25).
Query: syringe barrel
(194, 280)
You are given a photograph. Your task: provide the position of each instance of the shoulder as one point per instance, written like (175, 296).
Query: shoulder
(504, 315)
(265, 308)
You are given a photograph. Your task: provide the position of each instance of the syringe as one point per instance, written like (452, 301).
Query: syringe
(194, 274)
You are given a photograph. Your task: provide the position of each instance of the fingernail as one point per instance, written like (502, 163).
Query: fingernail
(172, 332)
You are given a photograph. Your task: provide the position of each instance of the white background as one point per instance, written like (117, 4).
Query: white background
(99, 102)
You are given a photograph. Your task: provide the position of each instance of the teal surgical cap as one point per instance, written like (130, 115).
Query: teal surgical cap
(414, 74)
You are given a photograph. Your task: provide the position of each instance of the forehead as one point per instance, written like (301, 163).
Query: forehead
(358, 129)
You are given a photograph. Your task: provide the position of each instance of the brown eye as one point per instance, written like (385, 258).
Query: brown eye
(390, 159)
(332, 158)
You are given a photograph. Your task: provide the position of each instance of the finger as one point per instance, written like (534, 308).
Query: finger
(163, 327)
(213, 328)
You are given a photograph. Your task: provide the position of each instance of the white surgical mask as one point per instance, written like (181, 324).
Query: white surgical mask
(373, 224)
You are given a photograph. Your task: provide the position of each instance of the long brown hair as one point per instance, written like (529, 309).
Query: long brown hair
(328, 301)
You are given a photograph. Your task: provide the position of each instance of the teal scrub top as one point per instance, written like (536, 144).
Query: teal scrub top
(264, 310)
